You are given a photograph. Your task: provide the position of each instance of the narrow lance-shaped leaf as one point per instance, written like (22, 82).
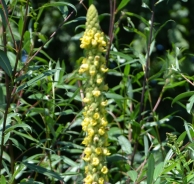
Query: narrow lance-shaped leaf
(151, 167)
(5, 63)
(122, 4)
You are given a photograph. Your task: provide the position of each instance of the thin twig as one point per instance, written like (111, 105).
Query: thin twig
(111, 27)
(145, 79)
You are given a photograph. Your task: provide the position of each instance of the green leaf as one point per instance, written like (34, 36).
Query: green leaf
(30, 181)
(122, 55)
(158, 170)
(23, 126)
(182, 95)
(114, 96)
(190, 104)
(122, 4)
(146, 145)
(43, 171)
(59, 4)
(160, 28)
(174, 84)
(36, 79)
(125, 144)
(114, 132)
(132, 175)
(2, 180)
(64, 10)
(188, 131)
(134, 30)
(150, 172)
(139, 17)
(5, 63)
(25, 136)
(4, 13)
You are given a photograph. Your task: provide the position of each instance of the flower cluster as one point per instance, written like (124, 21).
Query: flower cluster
(94, 124)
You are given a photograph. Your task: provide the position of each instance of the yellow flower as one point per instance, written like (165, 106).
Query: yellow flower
(86, 158)
(104, 69)
(106, 151)
(104, 103)
(101, 181)
(92, 72)
(96, 93)
(98, 151)
(94, 42)
(104, 170)
(96, 63)
(101, 131)
(90, 132)
(86, 100)
(87, 151)
(86, 141)
(99, 81)
(95, 161)
(86, 169)
(96, 115)
(93, 122)
(83, 68)
(103, 122)
(88, 179)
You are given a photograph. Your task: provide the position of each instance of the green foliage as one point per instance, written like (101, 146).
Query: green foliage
(150, 96)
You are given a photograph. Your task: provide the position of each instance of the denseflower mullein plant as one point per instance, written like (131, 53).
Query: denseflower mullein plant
(94, 124)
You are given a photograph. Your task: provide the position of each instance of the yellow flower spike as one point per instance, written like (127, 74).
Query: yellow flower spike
(94, 124)
(104, 170)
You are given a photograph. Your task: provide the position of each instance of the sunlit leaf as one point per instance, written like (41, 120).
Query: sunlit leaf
(122, 4)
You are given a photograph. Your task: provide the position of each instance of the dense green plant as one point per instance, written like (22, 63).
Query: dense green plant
(50, 94)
